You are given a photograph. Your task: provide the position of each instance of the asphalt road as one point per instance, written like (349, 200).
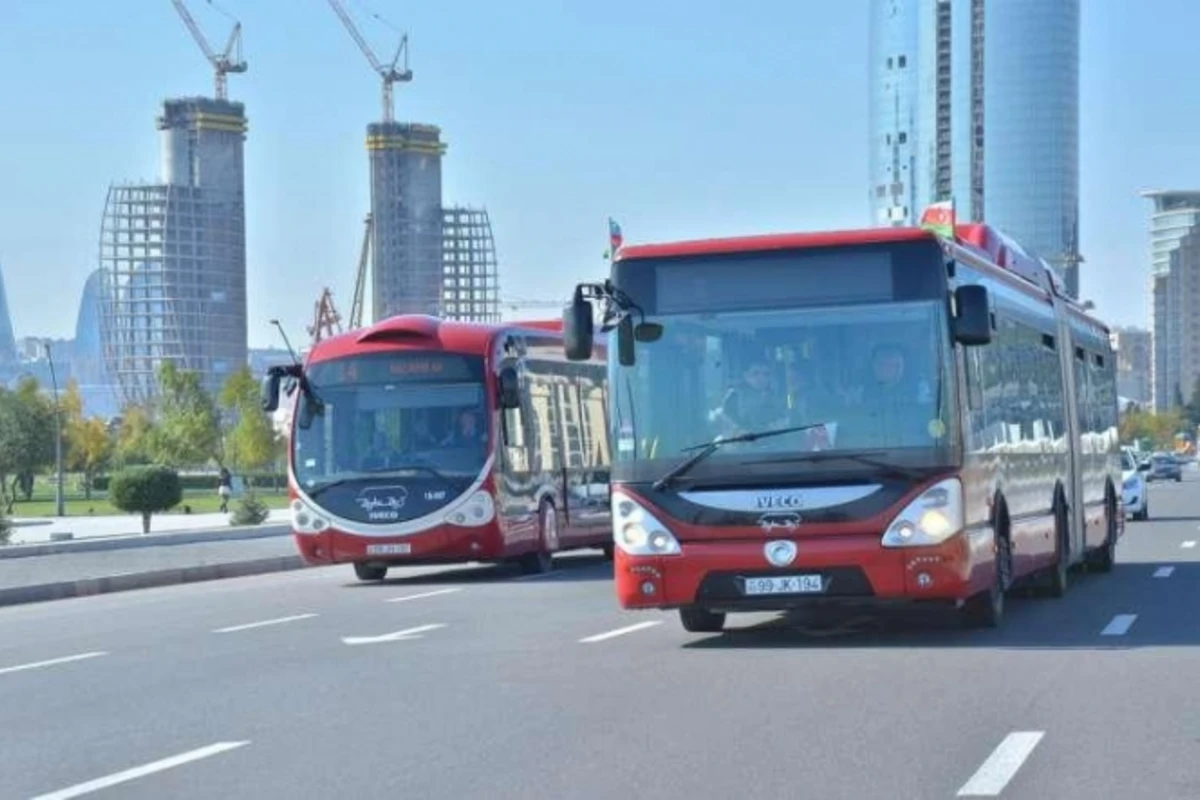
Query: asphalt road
(477, 683)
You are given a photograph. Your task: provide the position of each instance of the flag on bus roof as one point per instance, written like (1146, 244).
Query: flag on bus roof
(939, 218)
(615, 239)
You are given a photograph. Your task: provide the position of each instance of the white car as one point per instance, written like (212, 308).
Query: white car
(1133, 488)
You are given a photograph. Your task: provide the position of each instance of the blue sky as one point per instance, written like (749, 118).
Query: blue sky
(725, 118)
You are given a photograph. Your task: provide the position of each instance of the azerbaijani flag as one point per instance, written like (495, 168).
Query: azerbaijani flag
(615, 239)
(939, 218)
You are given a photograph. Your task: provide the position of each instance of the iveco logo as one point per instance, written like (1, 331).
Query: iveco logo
(780, 553)
(773, 501)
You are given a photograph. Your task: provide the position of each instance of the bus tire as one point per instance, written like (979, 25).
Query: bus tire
(1104, 558)
(701, 620)
(368, 572)
(986, 609)
(1058, 577)
(541, 560)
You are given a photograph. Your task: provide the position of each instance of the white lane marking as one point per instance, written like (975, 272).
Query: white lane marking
(600, 637)
(264, 623)
(410, 633)
(1120, 625)
(995, 773)
(422, 594)
(1188, 545)
(1163, 572)
(141, 772)
(50, 663)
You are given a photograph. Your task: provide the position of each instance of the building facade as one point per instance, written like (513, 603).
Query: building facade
(470, 283)
(406, 209)
(990, 118)
(1175, 295)
(8, 342)
(173, 254)
(1135, 356)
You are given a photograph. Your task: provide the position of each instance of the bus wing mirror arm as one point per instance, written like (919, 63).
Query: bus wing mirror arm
(973, 315)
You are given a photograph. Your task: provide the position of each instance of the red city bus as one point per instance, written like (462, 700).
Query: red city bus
(419, 440)
(865, 417)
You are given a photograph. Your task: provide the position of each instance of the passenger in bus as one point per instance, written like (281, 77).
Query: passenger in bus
(467, 431)
(380, 454)
(897, 403)
(421, 437)
(754, 404)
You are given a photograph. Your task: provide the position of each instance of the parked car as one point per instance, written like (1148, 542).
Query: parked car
(1164, 467)
(1133, 487)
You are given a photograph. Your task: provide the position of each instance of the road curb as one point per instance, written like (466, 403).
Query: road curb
(136, 540)
(85, 587)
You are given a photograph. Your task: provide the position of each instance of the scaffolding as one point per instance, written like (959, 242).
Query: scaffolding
(470, 277)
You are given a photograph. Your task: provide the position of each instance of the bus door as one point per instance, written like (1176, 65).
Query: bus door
(1071, 374)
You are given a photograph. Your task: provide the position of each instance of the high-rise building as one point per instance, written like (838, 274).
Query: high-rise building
(470, 285)
(8, 342)
(406, 209)
(173, 254)
(1175, 295)
(1134, 359)
(994, 103)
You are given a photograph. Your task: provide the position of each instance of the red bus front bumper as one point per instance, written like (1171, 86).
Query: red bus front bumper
(441, 544)
(856, 569)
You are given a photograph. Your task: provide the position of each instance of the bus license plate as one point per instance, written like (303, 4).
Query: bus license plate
(389, 549)
(790, 584)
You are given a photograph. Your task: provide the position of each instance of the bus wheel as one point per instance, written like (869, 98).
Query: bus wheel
(701, 620)
(1105, 557)
(542, 559)
(366, 572)
(986, 609)
(1058, 577)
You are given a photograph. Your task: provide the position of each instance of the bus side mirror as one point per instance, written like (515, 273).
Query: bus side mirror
(578, 329)
(973, 320)
(270, 392)
(510, 389)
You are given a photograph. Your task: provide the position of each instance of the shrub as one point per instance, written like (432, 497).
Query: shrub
(145, 491)
(5, 528)
(249, 511)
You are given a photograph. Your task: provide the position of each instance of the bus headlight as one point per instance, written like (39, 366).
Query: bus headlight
(638, 532)
(306, 519)
(932, 518)
(479, 509)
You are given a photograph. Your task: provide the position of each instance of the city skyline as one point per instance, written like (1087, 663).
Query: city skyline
(522, 148)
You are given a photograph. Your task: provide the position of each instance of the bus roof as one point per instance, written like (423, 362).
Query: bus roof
(422, 331)
(981, 239)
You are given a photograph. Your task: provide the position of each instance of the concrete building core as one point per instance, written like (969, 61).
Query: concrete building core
(406, 206)
(173, 254)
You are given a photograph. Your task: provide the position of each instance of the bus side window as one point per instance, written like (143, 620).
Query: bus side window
(516, 451)
(972, 355)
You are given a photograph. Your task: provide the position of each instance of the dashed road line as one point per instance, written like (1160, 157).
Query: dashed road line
(995, 773)
(117, 778)
(50, 663)
(600, 637)
(1120, 625)
(264, 623)
(1188, 545)
(1163, 572)
(422, 595)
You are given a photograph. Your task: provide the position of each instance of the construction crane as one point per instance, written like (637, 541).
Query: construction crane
(388, 73)
(360, 280)
(326, 319)
(225, 63)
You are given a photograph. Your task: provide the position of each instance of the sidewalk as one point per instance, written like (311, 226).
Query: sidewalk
(61, 575)
(31, 530)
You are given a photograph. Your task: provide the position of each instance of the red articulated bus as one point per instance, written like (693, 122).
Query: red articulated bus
(864, 417)
(418, 440)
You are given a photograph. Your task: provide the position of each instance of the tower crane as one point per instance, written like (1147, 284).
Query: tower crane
(388, 72)
(326, 319)
(360, 279)
(229, 61)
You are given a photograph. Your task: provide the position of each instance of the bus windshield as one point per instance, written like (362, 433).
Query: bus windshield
(385, 414)
(872, 371)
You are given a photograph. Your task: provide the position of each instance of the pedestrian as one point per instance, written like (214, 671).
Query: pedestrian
(224, 488)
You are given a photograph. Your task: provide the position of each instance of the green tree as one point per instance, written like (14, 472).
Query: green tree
(91, 450)
(134, 436)
(251, 442)
(188, 430)
(1158, 429)
(145, 491)
(26, 438)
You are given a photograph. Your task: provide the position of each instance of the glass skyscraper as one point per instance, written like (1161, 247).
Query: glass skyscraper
(1174, 289)
(993, 117)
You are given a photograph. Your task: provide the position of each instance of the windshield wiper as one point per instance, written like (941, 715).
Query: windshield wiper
(863, 457)
(707, 449)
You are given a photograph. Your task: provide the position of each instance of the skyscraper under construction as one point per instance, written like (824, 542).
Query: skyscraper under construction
(406, 209)
(173, 254)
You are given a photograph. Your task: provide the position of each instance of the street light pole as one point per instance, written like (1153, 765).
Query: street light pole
(58, 438)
